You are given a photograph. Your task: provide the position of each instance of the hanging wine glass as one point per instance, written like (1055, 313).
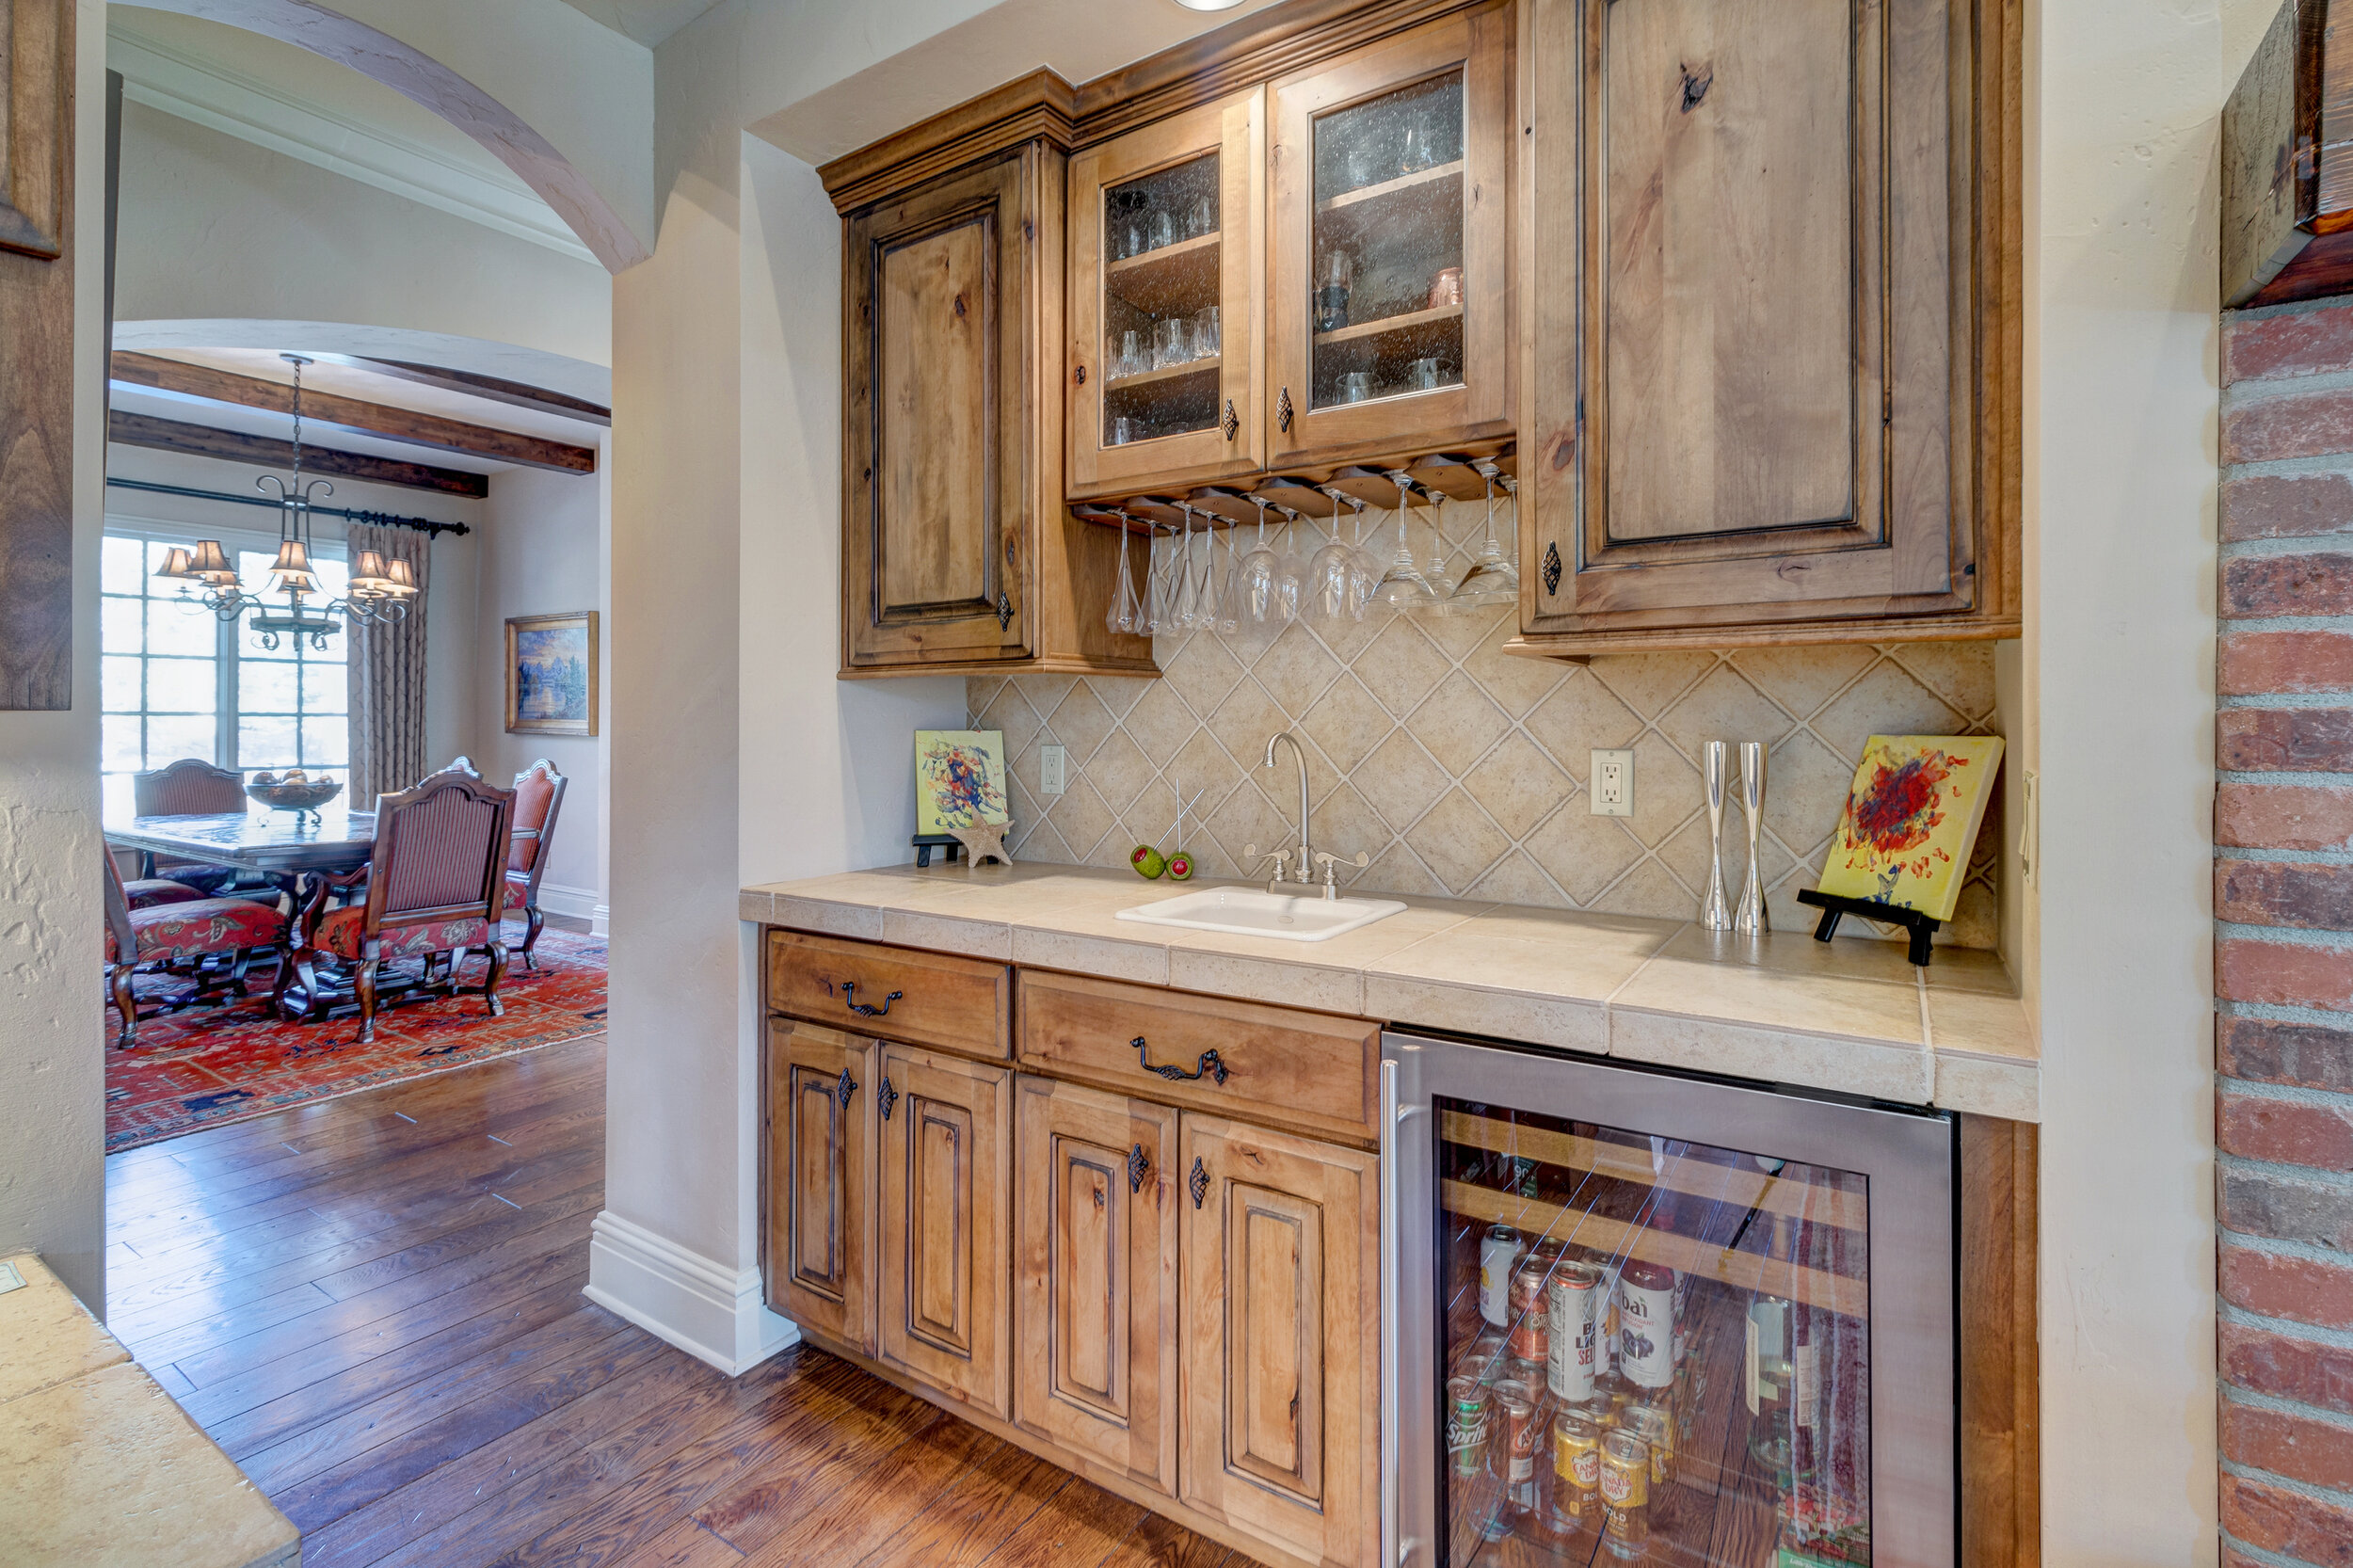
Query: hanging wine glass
(1157, 585)
(1253, 584)
(1228, 614)
(1290, 570)
(1182, 609)
(1402, 587)
(1492, 578)
(1328, 590)
(1126, 614)
(1364, 566)
(1441, 583)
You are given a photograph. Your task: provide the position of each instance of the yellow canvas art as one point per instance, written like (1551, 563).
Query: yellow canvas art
(959, 779)
(1910, 820)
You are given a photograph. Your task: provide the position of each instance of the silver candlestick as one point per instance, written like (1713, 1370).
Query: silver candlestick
(1749, 918)
(1715, 909)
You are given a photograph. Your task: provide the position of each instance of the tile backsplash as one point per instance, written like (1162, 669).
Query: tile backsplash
(1461, 770)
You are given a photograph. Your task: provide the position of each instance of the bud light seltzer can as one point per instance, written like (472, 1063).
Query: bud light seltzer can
(1576, 1293)
(1497, 1251)
(1466, 1426)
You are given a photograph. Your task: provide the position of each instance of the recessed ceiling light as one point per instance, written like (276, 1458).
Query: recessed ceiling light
(1209, 4)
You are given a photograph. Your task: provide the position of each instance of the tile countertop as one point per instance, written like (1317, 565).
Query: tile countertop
(1849, 1015)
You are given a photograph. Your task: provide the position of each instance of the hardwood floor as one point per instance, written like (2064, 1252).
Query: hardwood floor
(373, 1304)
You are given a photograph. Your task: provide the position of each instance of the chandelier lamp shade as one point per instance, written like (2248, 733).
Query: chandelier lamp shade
(291, 602)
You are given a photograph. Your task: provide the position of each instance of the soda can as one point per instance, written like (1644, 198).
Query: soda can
(1576, 1467)
(1466, 1426)
(1655, 1424)
(1625, 1490)
(1532, 1340)
(1574, 1293)
(1497, 1251)
(1522, 1433)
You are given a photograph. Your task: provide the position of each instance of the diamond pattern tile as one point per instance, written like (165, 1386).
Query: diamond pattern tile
(1459, 768)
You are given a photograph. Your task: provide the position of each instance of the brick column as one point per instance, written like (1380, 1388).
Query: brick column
(2283, 938)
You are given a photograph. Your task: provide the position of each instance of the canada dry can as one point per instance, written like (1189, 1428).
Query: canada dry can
(1626, 1489)
(1655, 1424)
(1497, 1251)
(1531, 1339)
(1576, 1465)
(1466, 1424)
(1576, 1292)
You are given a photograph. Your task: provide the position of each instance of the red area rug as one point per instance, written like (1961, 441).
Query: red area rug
(208, 1066)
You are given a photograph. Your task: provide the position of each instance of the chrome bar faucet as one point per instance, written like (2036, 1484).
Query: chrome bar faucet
(1306, 863)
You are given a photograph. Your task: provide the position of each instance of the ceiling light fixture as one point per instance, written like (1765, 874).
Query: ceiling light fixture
(1209, 4)
(378, 592)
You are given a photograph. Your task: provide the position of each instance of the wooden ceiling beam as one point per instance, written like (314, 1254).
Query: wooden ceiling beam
(520, 395)
(145, 372)
(201, 441)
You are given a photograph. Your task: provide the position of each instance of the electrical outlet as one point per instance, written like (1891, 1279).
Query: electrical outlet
(1612, 787)
(1052, 770)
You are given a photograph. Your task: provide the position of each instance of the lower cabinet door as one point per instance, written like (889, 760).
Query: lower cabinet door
(946, 1222)
(819, 1181)
(1094, 1269)
(1281, 1421)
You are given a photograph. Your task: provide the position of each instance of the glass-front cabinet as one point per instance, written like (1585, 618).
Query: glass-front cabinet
(1651, 1319)
(1166, 258)
(1388, 310)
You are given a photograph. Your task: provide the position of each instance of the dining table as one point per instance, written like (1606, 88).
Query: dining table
(307, 846)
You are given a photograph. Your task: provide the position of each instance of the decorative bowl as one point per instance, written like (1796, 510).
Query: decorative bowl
(300, 794)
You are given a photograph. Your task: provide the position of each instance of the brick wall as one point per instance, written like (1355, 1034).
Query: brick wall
(2283, 938)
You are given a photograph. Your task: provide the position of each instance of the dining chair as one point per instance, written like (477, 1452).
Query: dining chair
(435, 882)
(188, 787)
(538, 796)
(184, 929)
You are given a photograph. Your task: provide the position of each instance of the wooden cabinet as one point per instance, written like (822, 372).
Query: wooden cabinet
(1167, 297)
(958, 553)
(922, 998)
(946, 1192)
(1281, 1340)
(819, 1227)
(1762, 345)
(1389, 309)
(1095, 1270)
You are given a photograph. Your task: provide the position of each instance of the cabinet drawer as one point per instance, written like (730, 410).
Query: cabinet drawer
(1307, 1070)
(927, 998)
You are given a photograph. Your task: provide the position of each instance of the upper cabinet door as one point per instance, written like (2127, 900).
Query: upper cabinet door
(1167, 296)
(1389, 306)
(1742, 366)
(940, 283)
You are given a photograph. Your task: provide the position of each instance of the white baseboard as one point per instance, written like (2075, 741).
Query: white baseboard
(714, 1314)
(600, 920)
(579, 904)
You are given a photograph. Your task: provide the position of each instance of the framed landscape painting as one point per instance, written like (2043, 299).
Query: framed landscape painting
(552, 673)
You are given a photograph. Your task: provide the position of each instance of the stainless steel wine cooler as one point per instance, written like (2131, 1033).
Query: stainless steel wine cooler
(1636, 1316)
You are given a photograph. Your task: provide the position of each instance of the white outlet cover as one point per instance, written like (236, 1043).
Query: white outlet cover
(1052, 770)
(1609, 788)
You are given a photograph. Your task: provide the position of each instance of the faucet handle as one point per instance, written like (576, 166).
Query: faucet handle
(1332, 864)
(1281, 857)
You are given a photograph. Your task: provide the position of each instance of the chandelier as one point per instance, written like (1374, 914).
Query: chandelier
(379, 593)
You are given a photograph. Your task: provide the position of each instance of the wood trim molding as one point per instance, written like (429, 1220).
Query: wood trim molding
(202, 440)
(38, 111)
(520, 394)
(367, 419)
(1040, 104)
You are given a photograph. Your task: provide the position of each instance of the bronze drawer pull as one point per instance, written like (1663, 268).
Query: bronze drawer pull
(1200, 1182)
(889, 1098)
(1210, 1066)
(843, 1089)
(1137, 1165)
(867, 1010)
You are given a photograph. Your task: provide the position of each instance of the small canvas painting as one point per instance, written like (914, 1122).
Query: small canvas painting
(959, 779)
(552, 673)
(1911, 819)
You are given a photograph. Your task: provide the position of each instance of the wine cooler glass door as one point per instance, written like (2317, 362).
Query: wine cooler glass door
(1653, 1330)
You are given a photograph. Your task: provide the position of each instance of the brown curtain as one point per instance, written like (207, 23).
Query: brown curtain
(387, 674)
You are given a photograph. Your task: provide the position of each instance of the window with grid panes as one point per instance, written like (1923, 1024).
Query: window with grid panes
(177, 682)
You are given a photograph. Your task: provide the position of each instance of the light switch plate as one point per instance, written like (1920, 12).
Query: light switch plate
(1052, 770)
(1611, 790)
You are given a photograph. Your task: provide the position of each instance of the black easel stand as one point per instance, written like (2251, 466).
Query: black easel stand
(926, 842)
(1833, 906)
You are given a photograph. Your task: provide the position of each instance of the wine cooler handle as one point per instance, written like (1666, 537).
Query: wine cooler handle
(1392, 1550)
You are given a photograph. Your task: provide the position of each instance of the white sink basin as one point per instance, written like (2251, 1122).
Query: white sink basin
(1254, 912)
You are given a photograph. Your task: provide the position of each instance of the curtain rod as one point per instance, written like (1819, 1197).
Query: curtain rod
(374, 519)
